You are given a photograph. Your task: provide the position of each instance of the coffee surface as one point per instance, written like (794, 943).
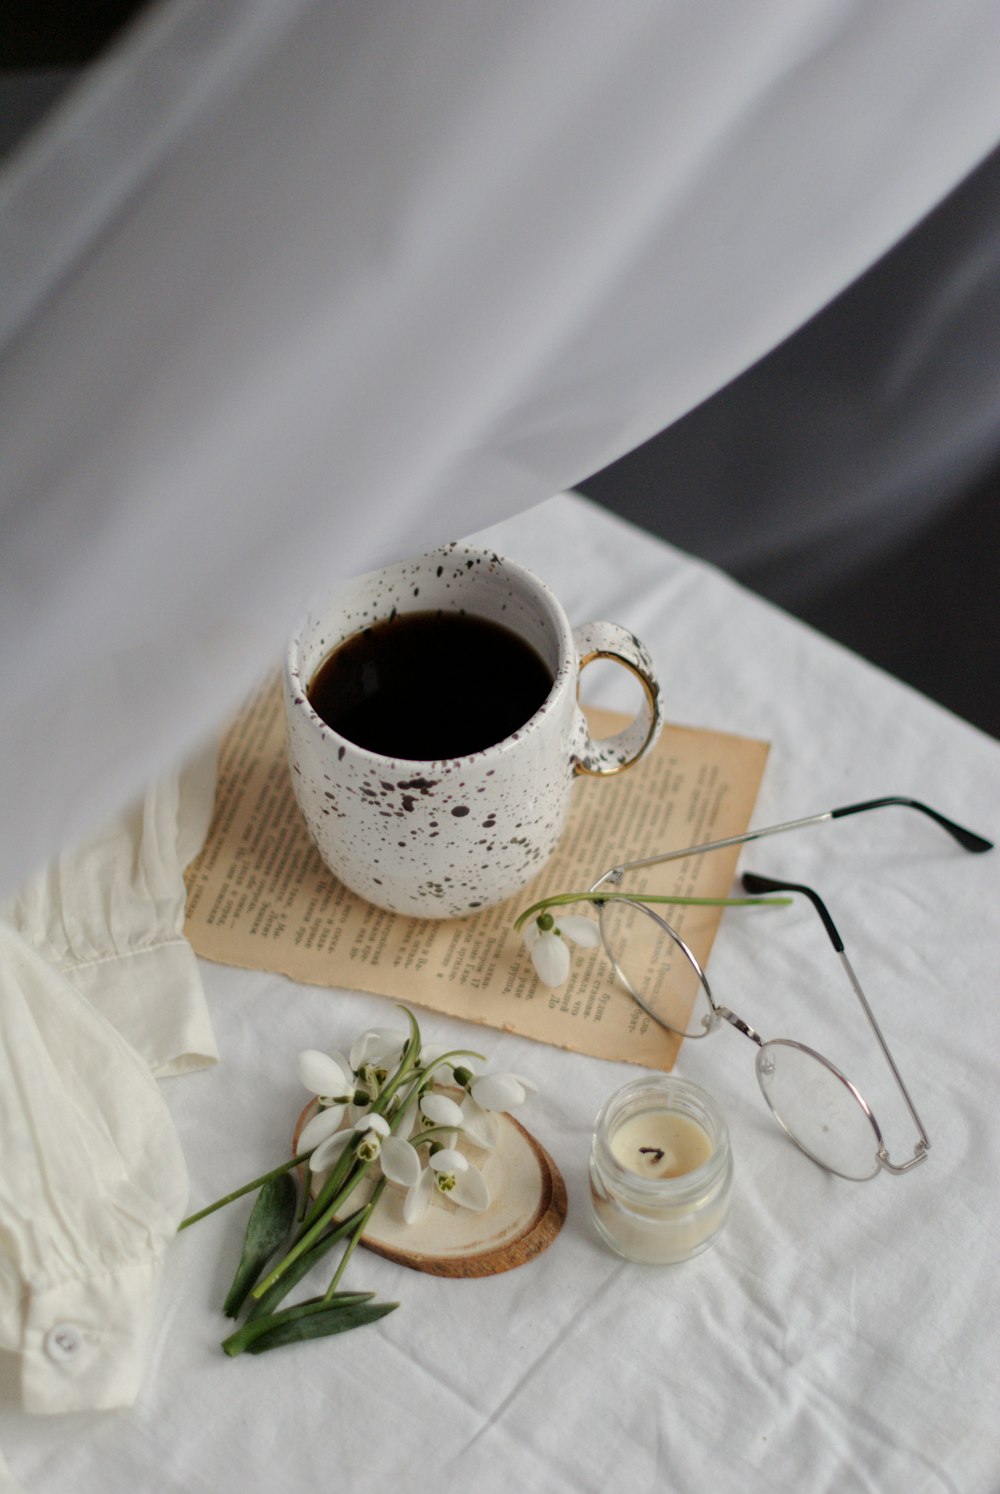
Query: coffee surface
(430, 685)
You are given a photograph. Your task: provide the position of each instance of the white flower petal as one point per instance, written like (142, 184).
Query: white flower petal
(498, 1091)
(400, 1162)
(532, 933)
(441, 1110)
(329, 1150)
(321, 1074)
(550, 957)
(479, 1126)
(417, 1199)
(376, 1123)
(378, 1043)
(582, 931)
(344, 1067)
(470, 1190)
(323, 1124)
(448, 1160)
(528, 1085)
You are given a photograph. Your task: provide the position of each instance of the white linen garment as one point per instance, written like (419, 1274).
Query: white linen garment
(99, 991)
(109, 915)
(92, 1187)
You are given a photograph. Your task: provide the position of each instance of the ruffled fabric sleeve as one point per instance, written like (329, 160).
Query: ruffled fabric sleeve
(92, 1188)
(110, 916)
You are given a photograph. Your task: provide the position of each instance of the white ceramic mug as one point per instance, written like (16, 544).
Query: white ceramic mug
(440, 839)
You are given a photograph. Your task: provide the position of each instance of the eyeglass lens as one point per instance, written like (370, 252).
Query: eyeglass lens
(820, 1110)
(817, 1107)
(652, 963)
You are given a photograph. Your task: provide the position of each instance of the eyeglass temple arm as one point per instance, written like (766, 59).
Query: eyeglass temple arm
(754, 884)
(967, 839)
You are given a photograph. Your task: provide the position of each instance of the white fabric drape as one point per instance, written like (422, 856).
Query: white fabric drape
(295, 288)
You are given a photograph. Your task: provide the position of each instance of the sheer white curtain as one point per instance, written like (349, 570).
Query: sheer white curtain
(289, 289)
(871, 423)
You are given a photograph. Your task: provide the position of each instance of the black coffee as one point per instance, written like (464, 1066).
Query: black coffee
(429, 685)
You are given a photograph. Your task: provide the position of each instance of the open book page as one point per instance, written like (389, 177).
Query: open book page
(259, 896)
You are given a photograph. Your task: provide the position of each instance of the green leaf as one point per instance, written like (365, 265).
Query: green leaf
(317, 1318)
(321, 1325)
(267, 1227)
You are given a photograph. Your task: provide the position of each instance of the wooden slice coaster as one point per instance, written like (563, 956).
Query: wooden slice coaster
(526, 1212)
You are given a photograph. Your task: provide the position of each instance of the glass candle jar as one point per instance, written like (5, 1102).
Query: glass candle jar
(661, 1170)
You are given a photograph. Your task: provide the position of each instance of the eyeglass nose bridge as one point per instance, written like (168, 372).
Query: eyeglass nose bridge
(739, 1024)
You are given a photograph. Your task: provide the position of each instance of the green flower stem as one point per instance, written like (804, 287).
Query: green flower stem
(220, 1203)
(338, 1186)
(342, 1180)
(447, 1057)
(330, 1190)
(359, 1230)
(407, 1064)
(306, 1189)
(332, 1187)
(309, 1236)
(432, 1133)
(563, 899)
(291, 1278)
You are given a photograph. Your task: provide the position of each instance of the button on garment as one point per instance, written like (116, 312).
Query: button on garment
(63, 1343)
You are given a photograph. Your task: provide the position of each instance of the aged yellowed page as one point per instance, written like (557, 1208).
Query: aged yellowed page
(260, 897)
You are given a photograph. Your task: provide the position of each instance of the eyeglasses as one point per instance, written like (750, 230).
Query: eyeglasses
(815, 1104)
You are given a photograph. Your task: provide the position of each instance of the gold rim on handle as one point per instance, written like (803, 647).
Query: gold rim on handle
(650, 691)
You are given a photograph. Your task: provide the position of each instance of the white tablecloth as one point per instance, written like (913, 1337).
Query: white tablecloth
(839, 1335)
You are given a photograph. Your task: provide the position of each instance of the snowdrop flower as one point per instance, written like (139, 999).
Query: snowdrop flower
(329, 1078)
(546, 943)
(489, 1093)
(321, 1126)
(440, 1111)
(372, 1139)
(400, 1162)
(375, 1054)
(368, 1133)
(449, 1175)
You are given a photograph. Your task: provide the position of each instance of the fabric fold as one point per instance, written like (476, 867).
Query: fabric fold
(92, 1187)
(110, 916)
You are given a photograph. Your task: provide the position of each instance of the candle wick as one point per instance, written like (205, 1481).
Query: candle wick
(655, 1152)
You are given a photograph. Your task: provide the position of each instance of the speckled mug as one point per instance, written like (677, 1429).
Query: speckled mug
(441, 839)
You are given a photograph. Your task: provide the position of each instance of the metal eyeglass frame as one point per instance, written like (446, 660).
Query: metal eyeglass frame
(757, 884)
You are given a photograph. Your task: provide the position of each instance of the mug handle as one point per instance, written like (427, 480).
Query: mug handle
(609, 755)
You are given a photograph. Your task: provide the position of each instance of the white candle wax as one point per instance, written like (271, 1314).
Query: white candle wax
(660, 1144)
